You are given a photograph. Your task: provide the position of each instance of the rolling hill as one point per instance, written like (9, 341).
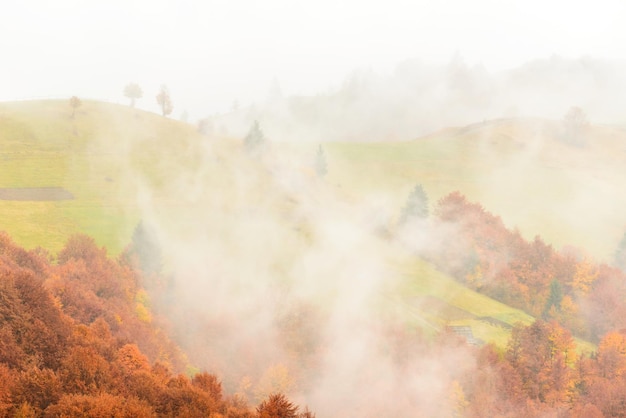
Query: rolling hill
(114, 166)
(521, 170)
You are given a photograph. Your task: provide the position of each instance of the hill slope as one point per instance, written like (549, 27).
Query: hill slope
(522, 170)
(88, 156)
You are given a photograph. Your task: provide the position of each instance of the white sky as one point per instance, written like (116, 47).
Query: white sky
(211, 53)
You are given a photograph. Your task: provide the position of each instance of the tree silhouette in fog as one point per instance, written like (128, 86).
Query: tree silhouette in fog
(255, 139)
(74, 104)
(321, 168)
(620, 254)
(575, 124)
(416, 206)
(165, 101)
(133, 92)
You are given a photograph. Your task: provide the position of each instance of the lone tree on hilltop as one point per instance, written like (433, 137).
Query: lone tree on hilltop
(575, 124)
(321, 168)
(133, 92)
(75, 103)
(416, 205)
(164, 101)
(255, 138)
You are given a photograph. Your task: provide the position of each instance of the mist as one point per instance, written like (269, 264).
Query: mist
(418, 98)
(278, 277)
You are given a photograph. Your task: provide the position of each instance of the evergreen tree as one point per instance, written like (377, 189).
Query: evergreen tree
(255, 138)
(620, 254)
(416, 205)
(320, 162)
(554, 299)
(145, 247)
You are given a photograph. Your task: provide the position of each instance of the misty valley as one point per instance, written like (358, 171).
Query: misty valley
(259, 263)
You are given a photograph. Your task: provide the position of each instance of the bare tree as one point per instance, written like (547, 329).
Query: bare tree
(164, 101)
(133, 92)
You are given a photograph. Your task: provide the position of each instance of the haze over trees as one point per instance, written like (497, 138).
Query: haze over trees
(164, 101)
(76, 341)
(133, 92)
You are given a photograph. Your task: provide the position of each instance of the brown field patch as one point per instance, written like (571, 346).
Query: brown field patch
(36, 194)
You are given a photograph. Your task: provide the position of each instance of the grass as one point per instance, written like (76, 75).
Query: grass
(106, 152)
(519, 170)
(433, 300)
(42, 146)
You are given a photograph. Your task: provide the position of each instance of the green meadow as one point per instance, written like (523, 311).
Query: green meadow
(107, 154)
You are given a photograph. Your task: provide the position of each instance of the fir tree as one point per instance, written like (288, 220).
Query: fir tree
(255, 138)
(416, 205)
(145, 247)
(620, 254)
(321, 167)
(554, 299)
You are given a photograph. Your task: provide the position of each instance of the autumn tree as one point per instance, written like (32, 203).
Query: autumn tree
(277, 406)
(133, 92)
(541, 355)
(75, 103)
(164, 101)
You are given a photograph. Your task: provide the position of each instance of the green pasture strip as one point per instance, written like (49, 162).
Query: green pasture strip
(423, 279)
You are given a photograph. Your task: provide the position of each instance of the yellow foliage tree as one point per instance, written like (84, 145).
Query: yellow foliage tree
(612, 355)
(586, 274)
(276, 379)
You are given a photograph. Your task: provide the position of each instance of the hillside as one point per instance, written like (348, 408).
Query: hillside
(522, 170)
(519, 169)
(88, 156)
(276, 279)
(121, 165)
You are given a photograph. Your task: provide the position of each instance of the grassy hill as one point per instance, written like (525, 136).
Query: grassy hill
(521, 170)
(41, 145)
(122, 165)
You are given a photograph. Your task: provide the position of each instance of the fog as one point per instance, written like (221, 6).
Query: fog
(419, 98)
(211, 54)
(276, 281)
(273, 277)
